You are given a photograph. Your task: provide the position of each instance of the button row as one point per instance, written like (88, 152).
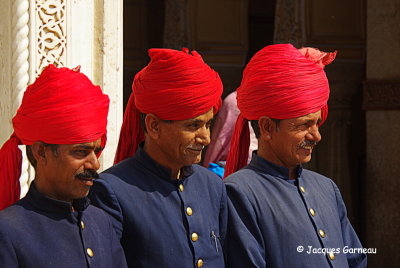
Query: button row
(181, 188)
(195, 237)
(320, 232)
(189, 211)
(90, 252)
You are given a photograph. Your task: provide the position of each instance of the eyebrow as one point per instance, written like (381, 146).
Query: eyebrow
(88, 147)
(194, 121)
(312, 120)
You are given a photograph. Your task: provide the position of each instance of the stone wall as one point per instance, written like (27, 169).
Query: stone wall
(382, 102)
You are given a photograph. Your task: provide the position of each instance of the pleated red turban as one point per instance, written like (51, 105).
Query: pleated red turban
(175, 85)
(61, 107)
(280, 82)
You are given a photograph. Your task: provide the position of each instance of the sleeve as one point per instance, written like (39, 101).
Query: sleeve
(350, 238)
(118, 255)
(244, 239)
(223, 216)
(8, 257)
(103, 196)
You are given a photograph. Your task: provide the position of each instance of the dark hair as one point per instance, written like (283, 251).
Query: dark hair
(31, 158)
(143, 121)
(254, 125)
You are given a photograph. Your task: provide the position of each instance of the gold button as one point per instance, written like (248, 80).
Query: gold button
(312, 212)
(89, 252)
(181, 187)
(200, 263)
(195, 237)
(331, 256)
(321, 233)
(189, 211)
(82, 225)
(302, 189)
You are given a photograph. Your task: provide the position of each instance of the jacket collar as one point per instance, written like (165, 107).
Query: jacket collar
(45, 203)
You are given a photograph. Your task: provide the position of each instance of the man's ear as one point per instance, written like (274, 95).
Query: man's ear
(39, 152)
(152, 125)
(266, 127)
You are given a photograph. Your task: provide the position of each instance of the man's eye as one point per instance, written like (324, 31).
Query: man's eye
(81, 152)
(194, 126)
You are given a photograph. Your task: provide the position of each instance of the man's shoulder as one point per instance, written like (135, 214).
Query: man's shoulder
(318, 181)
(125, 169)
(241, 175)
(205, 174)
(313, 176)
(98, 215)
(12, 217)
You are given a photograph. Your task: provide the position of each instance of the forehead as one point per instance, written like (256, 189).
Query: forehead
(311, 116)
(203, 117)
(88, 145)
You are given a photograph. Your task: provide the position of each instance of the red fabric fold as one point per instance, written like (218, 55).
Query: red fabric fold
(10, 171)
(241, 141)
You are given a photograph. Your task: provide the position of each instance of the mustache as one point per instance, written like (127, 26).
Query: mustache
(194, 147)
(308, 143)
(87, 174)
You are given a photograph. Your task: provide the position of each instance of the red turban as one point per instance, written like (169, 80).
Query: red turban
(61, 107)
(175, 85)
(280, 82)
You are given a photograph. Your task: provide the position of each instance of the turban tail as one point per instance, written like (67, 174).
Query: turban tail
(280, 82)
(175, 85)
(61, 107)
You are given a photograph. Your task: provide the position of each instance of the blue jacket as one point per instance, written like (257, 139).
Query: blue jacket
(38, 231)
(277, 222)
(163, 222)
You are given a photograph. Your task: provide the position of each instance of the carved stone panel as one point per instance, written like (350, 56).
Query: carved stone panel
(381, 95)
(49, 32)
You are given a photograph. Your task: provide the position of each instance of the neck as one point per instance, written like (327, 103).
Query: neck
(45, 189)
(264, 153)
(156, 154)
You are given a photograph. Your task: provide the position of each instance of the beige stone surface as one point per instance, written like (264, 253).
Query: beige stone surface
(5, 71)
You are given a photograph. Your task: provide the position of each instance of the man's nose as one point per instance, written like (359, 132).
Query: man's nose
(92, 161)
(203, 136)
(314, 134)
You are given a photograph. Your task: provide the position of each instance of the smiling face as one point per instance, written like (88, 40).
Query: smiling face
(67, 173)
(175, 144)
(291, 142)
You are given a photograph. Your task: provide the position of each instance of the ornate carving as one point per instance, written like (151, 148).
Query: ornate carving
(51, 28)
(289, 22)
(176, 28)
(381, 95)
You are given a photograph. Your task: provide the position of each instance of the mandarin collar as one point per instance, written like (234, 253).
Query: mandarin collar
(47, 204)
(264, 166)
(157, 169)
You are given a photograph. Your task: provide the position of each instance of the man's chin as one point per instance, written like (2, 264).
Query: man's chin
(194, 160)
(305, 159)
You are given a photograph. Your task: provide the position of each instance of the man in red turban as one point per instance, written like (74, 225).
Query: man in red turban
(62, 121)
(280, 214)
(168, 211)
